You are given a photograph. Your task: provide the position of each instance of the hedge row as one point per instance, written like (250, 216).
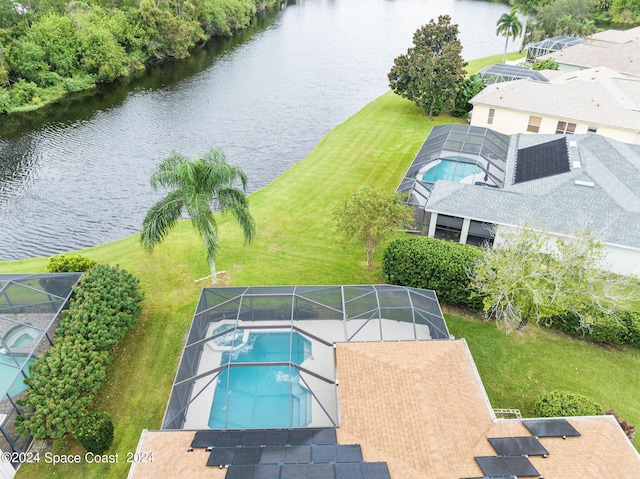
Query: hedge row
(63, 382)
(562, 404)
(616, 327)
(428, 263)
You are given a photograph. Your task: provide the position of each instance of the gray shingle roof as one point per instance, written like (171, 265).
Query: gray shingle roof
(611, 205)
(624, 57)
(598, 96)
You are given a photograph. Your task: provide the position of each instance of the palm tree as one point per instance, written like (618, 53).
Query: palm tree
(195, 185)
(526, 7)
(508, 26)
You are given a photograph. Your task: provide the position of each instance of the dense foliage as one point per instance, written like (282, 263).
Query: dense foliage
(63, 382)
(49, 48)
(443, 266)
(432, 71)
(533, 276)
(605, 326)
(470, 88)
(370, 215)
(63, 263)
(95, 432)
(628, 428)
(561, 404)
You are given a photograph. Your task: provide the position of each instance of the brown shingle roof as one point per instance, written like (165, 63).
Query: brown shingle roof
(421, 407)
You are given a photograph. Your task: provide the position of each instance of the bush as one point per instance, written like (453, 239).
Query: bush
(628, 429)
(63, 382)
(69, 264)
(95, 432)
(560, 404)
(443, 266)
(613, 327)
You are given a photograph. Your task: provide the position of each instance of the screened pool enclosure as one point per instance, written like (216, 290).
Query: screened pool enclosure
(30, 305)
(263, 357)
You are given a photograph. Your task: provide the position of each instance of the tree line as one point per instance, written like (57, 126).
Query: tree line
(49, 48)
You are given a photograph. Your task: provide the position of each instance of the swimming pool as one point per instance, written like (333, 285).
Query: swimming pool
(9, 370)
(450, 170)
(269, 396)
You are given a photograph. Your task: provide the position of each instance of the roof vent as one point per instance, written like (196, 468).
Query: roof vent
(585, 183)
(573, 144)
(577, 164)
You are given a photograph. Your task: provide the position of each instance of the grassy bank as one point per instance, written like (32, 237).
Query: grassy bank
(297, 244)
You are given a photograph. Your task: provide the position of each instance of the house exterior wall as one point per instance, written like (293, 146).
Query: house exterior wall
(511, 122)
(621, 260)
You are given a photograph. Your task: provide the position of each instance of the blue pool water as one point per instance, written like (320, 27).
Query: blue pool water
(8, 373)
(263, 396)
(451, 171)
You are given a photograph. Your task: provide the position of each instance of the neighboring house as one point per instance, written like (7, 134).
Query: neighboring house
(550, 45)
(501, 72)
(559, 183)
(597, 100)
(621, 57)
(612, 37)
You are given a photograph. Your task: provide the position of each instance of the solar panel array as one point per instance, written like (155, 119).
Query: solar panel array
(501, 466)
(311, 453)
(550, 428)
(543, 160)
(518, 446)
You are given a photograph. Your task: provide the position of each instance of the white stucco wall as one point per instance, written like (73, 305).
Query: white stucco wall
(511, 122)
(618, 259)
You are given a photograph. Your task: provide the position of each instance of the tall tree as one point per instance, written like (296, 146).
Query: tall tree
(369, 216)
(432, 71)
(509, 25)
(531, 277)
(565, 17)
(195, 185)
(526, 7)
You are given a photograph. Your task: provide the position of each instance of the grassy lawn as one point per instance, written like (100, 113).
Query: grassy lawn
(297, 244)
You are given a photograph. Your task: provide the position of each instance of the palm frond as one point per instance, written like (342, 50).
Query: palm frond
(160, 218)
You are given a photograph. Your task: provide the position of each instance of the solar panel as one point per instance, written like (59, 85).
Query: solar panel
(276, 438)
(375, 470)
(324, 436)
(300, 437)
(205, 438)
(254, 438)
(293, 471)
(221, 456)
(324, 453)
(348, 470)
(518, 446)
(229, 438)
(247, 456)
(241, 472)
(321, 471)
(500, 466)
(263, 471)
(298, 454)
(543, 160)
(550, 428)
(349, 453)
(272, 455)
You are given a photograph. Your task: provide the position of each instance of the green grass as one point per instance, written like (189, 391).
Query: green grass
(476, 65)
(516, 368)
(297, 244)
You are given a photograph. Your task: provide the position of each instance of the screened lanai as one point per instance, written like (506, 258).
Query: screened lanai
(500, 72)
(550, 45)
(458, 153)
(30, 305)
(263, 357)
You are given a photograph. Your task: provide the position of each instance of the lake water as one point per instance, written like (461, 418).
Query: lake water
(77, 174)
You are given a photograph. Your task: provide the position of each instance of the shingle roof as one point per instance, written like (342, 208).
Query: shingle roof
(611, 205)
(623, 57)
(598, 96)
(429, 417)
(617, 36)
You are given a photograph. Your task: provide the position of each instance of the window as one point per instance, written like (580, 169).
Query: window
(565, 127)
(492, 113)
(592, 129)
(534, 124)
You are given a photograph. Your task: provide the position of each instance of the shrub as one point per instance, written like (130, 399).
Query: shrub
(443, 266)
(561, 403)
(95, 432)
(613, 327)
(627, 428)
(62, 263)
(63, 381)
